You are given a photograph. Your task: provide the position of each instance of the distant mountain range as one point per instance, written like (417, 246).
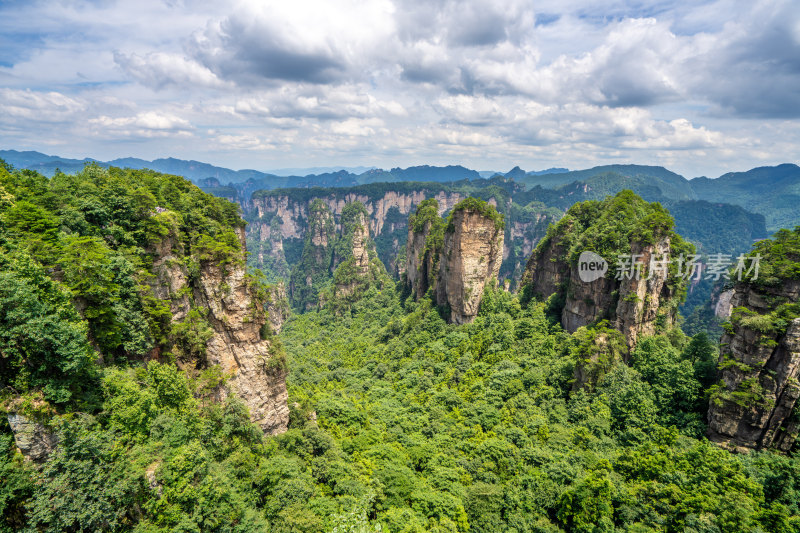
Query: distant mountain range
(773, 192)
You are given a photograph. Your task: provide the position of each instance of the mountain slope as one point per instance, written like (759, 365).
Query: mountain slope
(771, 191)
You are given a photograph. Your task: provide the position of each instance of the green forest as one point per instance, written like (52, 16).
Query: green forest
(398, 421)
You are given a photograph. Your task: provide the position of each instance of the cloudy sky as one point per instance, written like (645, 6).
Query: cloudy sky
(699, 87)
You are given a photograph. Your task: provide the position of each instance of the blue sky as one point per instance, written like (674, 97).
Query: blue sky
(700, 87)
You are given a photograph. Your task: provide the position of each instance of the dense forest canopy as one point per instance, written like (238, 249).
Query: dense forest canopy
(399, 421)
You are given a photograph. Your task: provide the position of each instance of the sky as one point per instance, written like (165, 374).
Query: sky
(700, 87)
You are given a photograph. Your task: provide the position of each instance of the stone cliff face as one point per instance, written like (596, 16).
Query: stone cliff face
(642, 300)
(634, 306)
(458, 258)
(346, 256)
(278, 224)
(471, 255)
(420, 264)
(354, 257)
(316, 261)
(294, 214)
(225, 306)
(425, 240)
(759, 369)
(34, 440)
(359, 248)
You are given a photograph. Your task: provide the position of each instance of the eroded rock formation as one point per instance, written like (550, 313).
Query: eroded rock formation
(316, 261)
(457, 259)
(641, 300)
(425, 239)
(355, 261)
(225, 307)
(34, 440)
(471, 255)
(759, 368)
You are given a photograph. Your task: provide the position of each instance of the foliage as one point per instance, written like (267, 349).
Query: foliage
(476, 205)
(43, 340)
(399, 421)
(780, 258)
(192, 334)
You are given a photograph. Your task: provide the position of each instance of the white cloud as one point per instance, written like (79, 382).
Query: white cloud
(158, 70)
(146, 124)
(39, 106)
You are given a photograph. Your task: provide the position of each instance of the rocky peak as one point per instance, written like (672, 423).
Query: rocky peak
(425, 239)
(471, 254)
(456, 258)
(354, 239)
(356, 262)
(755, 405)
(316, 260)
(644, 301)
(515, 173)
(225, 307)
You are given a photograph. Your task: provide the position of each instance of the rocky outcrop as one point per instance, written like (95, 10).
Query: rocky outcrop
(636, 306)
(457, 259)
(316, 261)
(358, 249)
(638, 300)
(470, 258)
(722, 303)
(425, 239)
(278, 307)
(278, 222)
(294, 213)
(34, 440)
(356, 263)
(419, 261)
(759, 368)
(224, 306)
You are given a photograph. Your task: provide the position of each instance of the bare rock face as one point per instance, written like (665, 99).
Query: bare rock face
(34, 440)
(546, 272)
(280, 221)
(358, 238)
(471, 255)
(640, 309)
(634, 306)
(278, 308)
(640, 301)
(722, 307)
(225, 301)
(418, 262)
(258, 374)
(759, 369)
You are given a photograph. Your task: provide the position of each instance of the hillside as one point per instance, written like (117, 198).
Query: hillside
(771, 191)
(143, 375)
